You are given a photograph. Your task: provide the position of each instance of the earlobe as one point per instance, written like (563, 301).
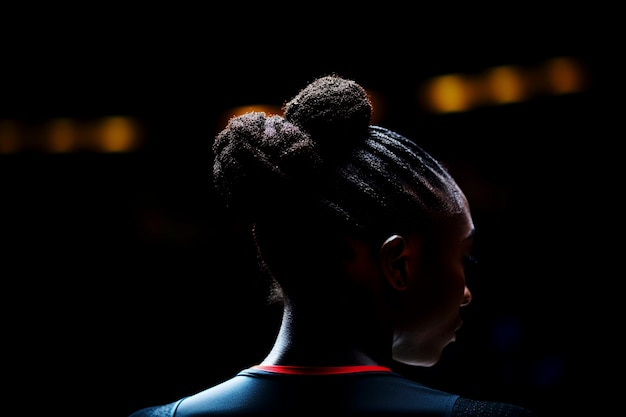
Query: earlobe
(393, 262)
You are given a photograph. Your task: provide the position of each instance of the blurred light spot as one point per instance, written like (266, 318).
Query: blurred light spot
(448, 93)
(379, 107)
(9, 137)
(504, 84)
(117, 134)
(506, 333)
(61, 135)
(564, 75)
(549, 371)
(238, 111)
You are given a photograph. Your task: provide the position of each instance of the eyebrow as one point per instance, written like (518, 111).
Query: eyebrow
(471, 234)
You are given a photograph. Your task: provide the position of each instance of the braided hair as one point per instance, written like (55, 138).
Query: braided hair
(322, 172)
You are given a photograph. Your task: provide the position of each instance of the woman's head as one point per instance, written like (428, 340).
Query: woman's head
(320, 177)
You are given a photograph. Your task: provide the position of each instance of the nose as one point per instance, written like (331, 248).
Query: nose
(467, 297)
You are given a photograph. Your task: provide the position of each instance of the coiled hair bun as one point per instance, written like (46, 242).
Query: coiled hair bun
(334, 111)
(261, 161)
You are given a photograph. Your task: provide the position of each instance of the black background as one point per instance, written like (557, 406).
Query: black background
(127, 285)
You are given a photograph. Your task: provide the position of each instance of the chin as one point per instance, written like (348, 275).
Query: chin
(422, 363)
(414, 359)
(424, 352)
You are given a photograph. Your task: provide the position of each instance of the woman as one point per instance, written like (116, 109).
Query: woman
(365, 238)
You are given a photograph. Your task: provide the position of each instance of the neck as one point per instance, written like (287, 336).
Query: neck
(327, 339)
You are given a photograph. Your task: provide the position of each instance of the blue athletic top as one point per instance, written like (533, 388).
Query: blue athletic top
(339, 391)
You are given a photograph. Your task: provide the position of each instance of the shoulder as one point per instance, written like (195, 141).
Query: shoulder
(166, 410)
(465, 407)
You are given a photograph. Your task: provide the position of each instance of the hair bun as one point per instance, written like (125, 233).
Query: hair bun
(334, 111)
(262, 162)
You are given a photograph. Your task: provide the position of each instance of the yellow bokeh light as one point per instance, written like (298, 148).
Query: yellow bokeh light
(564, 75)
(504, 84)
(61, 135)
(448, 93)
(9, 137)
(117, 134)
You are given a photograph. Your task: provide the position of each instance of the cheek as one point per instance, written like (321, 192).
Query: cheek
(448, 281)
(437, 295)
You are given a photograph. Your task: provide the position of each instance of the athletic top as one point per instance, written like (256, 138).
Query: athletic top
(335, 391)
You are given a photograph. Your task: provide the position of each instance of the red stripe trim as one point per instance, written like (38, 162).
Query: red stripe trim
(320, 370)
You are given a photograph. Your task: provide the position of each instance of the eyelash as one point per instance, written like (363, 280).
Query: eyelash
(469, 263)
(470, 260)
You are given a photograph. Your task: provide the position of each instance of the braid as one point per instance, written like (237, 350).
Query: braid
(390, 182)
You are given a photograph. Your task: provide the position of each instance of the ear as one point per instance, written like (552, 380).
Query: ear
(393, 261)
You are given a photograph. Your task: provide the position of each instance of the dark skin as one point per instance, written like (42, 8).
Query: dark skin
(404, 301)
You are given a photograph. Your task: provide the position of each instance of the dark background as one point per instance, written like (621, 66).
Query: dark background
(127, 283)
